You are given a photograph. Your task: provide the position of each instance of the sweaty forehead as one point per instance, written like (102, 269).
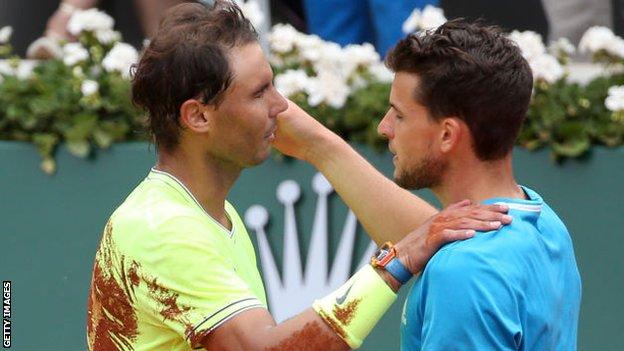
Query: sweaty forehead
(249, 65)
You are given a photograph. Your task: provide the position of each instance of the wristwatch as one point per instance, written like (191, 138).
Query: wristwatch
(386, 258)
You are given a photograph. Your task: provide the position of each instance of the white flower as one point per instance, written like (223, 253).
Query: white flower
(282, 38)
(25, 69)
(600, 38)
(251, 9)
(89, 87)
(430, 17)
(5, 34)
(328, 57)
(615, 101)
(22, 69)
(120, 58)
(291, 82)
(616, 48)
(312, 48)
(530, 43)
(546, 67)
(561, 47)
(412, 22)
(327, 88)
(6, 68)
(89, 20)
(361, 55)
(595, 39)
(74, 53)
(107, 36)
(381, 73)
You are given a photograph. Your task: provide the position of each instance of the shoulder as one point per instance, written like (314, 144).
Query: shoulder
(468, 264)
(155, 220)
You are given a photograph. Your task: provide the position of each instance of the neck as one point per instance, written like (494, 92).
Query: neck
(208, 179)
(478, 181)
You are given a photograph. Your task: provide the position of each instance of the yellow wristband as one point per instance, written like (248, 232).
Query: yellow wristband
(353, 310)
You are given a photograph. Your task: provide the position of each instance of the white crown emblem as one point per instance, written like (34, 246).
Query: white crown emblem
(296, 291)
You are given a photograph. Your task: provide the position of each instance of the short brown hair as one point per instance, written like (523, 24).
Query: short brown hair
(474, 72)
(186, 59)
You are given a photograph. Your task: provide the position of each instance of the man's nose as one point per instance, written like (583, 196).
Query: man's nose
(384, 129)
(280, 104)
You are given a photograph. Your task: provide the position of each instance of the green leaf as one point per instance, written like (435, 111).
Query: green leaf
(83, 125)
(571, 148)
(46, 142)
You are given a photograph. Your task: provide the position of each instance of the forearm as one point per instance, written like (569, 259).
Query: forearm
(386, 211)
(342, 319)
(306, 331)
(339, 321)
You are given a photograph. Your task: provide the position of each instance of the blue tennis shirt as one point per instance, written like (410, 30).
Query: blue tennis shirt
(517, 288)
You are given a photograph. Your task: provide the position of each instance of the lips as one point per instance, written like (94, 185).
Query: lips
(271, 133)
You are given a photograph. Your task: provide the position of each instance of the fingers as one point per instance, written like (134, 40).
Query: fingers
(501, 208)
(491, 213)
(484, 214)
(464, 223)
(460, 204)
(450, 235)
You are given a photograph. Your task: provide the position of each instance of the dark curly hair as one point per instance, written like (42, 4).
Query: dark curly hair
(187, 59)
(474, 72)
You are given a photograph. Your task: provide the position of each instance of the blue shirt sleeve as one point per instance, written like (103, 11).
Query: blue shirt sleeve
(466, 304)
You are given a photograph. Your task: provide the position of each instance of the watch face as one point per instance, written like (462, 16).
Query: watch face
(384, 255)
(381, 253)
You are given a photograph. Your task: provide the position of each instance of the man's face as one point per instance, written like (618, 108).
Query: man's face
(413, 136)
(245, 122)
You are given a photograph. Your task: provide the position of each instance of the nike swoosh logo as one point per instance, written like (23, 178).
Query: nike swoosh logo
(340, 300)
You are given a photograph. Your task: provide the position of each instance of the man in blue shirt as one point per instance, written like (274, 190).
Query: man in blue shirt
(514, 289)
(458, 100)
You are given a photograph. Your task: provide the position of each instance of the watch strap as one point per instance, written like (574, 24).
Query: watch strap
(398, 271)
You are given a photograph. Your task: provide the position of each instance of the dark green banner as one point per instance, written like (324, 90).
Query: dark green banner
(50, 227)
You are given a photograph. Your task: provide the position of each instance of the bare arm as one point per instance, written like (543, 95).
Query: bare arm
(386, 211)
(256, 330)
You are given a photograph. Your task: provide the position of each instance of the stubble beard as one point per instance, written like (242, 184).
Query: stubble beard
(426, 174)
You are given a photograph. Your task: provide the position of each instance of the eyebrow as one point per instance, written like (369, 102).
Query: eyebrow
(264, 85)
(396, 108)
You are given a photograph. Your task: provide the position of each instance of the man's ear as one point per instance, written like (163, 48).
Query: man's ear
(451, 134)
(196, 116)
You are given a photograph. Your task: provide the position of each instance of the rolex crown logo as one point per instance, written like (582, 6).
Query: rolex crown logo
(296, 290)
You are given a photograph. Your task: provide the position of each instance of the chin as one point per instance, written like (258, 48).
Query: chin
(260, 157)
(397, 172)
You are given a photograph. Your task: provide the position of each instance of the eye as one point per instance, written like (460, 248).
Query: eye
(261, 92)
(399, 117)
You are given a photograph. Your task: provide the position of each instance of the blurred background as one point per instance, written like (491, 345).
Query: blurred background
(550, 18)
